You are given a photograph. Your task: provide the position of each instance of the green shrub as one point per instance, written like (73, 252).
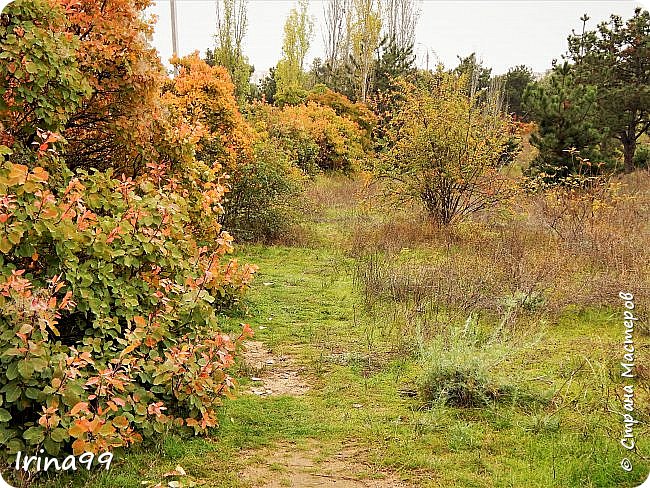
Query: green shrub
(461, 371)
(108, 324)
(642, 157)
(460, 380)
(262, 196)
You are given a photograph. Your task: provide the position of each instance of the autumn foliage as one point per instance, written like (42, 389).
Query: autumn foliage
(114, 265)
(109, 311)
(202, 97)
(313, 135)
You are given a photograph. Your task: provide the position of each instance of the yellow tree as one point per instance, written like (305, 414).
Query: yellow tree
(445, 149)
(289, 74)
(364, 40)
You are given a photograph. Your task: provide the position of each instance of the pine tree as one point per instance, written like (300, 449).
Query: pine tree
(565, 113)
(616, 59)
(515, 82)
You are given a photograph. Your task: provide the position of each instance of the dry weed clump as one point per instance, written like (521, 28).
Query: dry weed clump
(336, 192)
(391, 234)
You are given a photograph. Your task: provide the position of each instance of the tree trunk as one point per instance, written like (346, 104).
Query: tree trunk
(629, 148)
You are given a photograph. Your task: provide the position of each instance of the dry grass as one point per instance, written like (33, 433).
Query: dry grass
(508, 263)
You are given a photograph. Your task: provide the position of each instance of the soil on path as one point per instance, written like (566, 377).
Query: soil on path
(288, 465)
(273, 375)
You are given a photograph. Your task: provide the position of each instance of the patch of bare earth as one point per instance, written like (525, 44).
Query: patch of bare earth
(272, 375)
(287, 465)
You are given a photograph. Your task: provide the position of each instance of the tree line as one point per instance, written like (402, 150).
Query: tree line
(594, 98)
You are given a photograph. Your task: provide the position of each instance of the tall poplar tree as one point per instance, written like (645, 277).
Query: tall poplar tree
(232, 21)
(364, 41)
(289, 74)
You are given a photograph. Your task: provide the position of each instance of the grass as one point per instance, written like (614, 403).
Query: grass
(305, 303)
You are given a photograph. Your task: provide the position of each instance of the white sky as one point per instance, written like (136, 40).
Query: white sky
(503, 33)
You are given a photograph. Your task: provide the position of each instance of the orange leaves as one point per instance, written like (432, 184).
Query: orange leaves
(313, 136)
(16, 283)
(85, 219)
(202, 98)
(247, 332)
(115, 233)
(156, 409)
(66, 302)
(78, 447)
(79, 428)
(130, 348)
(121, 422)
(140, 321)
(47, 139)
(81, 407)
(113, 60)
(49, 419)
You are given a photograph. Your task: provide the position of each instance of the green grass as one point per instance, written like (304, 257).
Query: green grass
(303, 303)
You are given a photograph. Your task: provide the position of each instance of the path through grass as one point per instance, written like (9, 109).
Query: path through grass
(355, 427)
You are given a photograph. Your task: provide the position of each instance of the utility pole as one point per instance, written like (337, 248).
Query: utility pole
(172, 5)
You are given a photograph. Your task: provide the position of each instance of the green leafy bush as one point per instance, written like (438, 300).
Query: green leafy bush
(262, 195)
(108, 324)
(42, 82)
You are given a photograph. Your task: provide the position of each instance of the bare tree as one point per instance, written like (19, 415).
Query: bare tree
(336, 15)
(400, 20)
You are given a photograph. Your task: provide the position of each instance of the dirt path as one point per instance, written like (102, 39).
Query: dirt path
(288, 465)
(273, 375)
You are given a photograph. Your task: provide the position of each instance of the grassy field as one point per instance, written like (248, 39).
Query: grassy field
(359, 418)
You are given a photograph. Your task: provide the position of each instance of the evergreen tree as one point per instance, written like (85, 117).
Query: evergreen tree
(394, 62)
(394, 65)
(565, 113)
(616, 59)
(478, 75)
(268, 86)
(515, 82)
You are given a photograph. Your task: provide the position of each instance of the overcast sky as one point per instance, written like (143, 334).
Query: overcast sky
(503, 33)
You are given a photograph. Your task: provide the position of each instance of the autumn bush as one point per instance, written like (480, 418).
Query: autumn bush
(202, 98)
(262, 201)
(109, 305)
(314, 136)
(445, 149)
(42, 80)
(112, 127)
(114, 265)
(357, 112)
